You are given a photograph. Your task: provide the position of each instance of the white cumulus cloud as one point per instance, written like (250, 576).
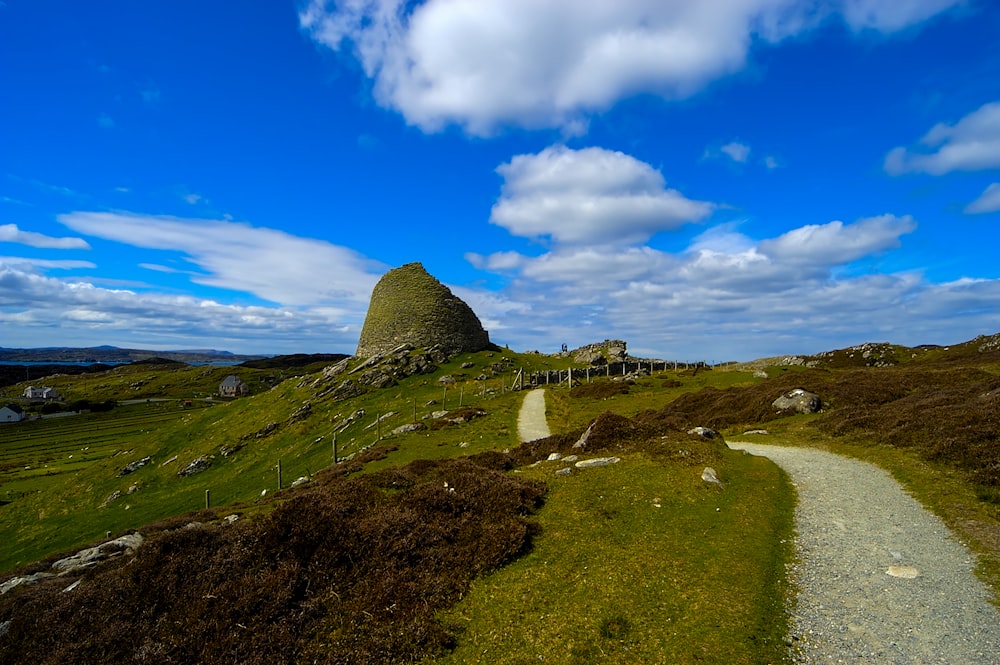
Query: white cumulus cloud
(971, 144)
(731, 296)
(836, 243)
(738, 152)
(481, 64)
(589, 196)
(46, 310)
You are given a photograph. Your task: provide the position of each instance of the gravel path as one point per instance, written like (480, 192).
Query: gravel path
(880, 578)
(531, 423)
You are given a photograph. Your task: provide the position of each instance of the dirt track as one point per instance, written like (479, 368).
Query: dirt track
(531, 422)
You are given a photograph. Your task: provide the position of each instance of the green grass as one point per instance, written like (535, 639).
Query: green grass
(641, 562)
(610, 579)
(59, 508)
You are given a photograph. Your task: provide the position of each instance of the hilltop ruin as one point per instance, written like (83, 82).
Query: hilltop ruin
(409, 306)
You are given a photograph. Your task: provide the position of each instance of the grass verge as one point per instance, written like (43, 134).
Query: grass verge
(642, 562)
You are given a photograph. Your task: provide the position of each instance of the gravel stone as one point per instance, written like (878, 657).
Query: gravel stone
(854, 525)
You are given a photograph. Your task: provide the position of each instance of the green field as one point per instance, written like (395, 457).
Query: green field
(634, 562)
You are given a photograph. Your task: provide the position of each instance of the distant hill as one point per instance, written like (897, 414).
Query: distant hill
(295, 360)
(112, 354)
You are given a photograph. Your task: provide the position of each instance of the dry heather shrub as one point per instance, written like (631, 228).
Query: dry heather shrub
(946, 413)
(614, 434)
(601, 389)
(352, 571)
(952, 416)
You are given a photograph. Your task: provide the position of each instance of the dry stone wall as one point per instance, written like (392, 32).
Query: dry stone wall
(409, 306)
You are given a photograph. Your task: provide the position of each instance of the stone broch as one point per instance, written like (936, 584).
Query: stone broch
(409, 306)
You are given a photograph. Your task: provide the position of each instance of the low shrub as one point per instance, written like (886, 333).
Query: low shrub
(352, 570)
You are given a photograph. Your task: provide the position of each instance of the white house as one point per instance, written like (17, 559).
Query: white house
(11, 413)
(31, 392)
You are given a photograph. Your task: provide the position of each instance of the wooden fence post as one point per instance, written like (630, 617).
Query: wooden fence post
(279, 474)
(208, 499)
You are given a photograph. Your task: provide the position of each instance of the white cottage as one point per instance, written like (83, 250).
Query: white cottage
(33, 392)
(11, 413)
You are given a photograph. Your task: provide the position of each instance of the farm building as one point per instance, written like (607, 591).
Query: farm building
(11, 413)
(33, 392)
(232, 386)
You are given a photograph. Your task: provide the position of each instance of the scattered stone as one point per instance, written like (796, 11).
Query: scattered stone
(268, 430)
(704, 432)
(446, 380)
(565, 471)
(134, 466)
(197, 465)
(553, 457)
(710, 476)
(760, 374)
(170, 461)
(582, 441)
(300, 413)
(464, 444)
(903, 572)
(384, 416)
(133, 488)
(351, 419)
(93, 555)
(229, 519)
(346, 390)
(112, 497)
(799, 401)
(72, 586)
(570, 458)
(464, 415)
(300, 481)
(226, 451)
(756, 431)
(15, 582)
(468, 365)
(597, 461)
(409, 427)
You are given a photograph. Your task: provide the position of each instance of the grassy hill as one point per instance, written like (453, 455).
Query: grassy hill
(455, 542)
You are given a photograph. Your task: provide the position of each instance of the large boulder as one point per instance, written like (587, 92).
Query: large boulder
(409, 306)
(799, 401)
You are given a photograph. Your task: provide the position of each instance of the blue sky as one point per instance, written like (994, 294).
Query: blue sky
(720, 180)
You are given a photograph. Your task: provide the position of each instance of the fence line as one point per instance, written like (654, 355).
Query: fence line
(559, 376)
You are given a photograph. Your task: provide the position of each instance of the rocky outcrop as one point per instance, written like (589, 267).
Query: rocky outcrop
(409, 306)
(79, 562)
(603, 353)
